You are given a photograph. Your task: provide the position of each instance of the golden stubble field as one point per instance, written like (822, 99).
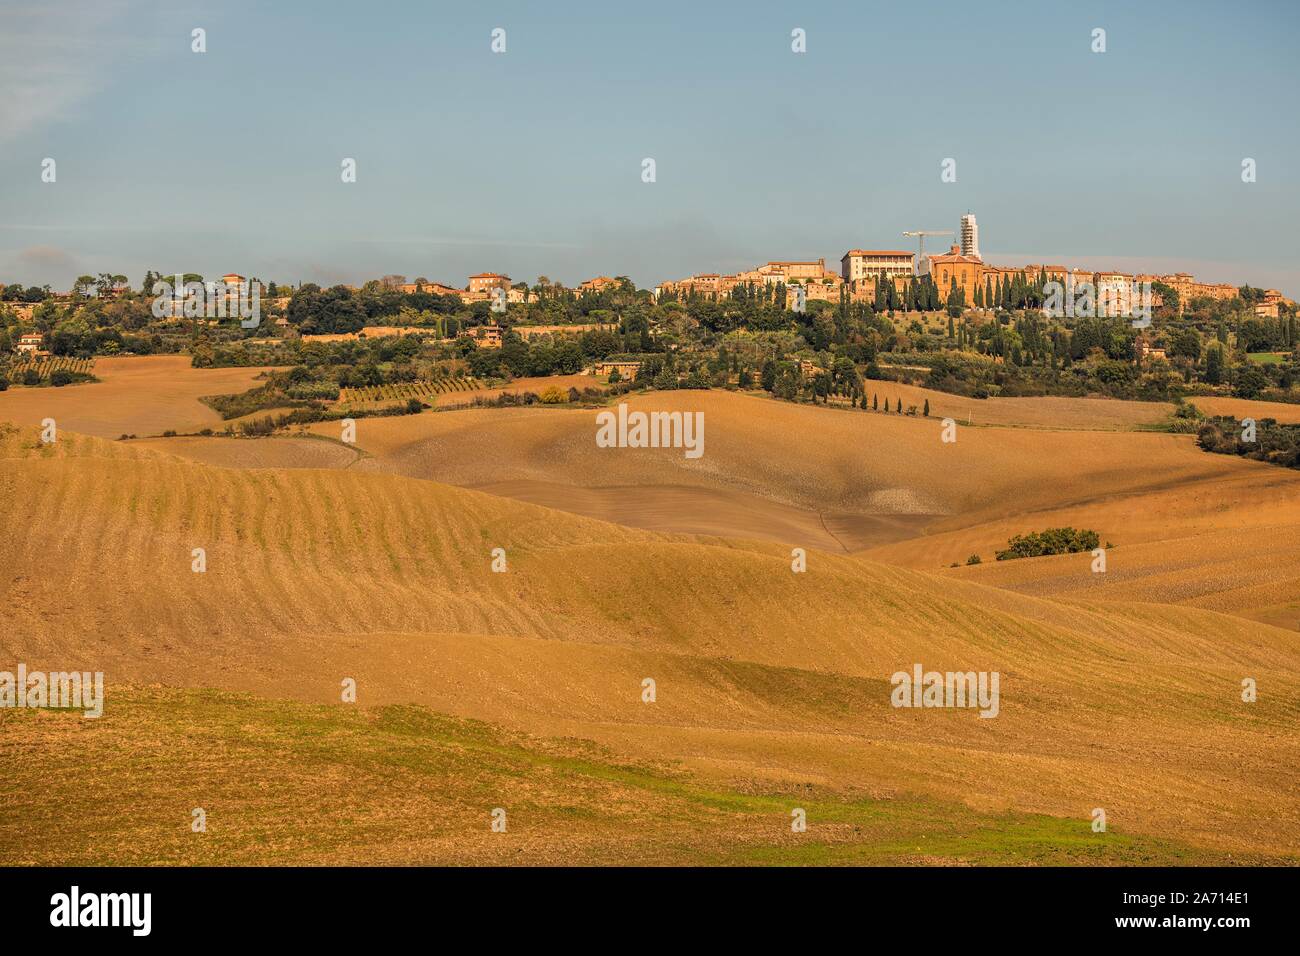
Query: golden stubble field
(324, 562)
(136, 396)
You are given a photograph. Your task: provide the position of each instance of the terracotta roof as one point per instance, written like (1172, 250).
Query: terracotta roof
(876, 252)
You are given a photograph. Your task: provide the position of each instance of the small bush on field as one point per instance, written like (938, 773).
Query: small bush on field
(1052, 541)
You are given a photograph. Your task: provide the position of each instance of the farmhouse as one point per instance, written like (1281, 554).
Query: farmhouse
(486, 336)
(1147, 350)
(30, 342)
(626, 370)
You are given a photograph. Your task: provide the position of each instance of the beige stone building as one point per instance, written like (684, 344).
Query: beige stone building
(484, 282)
(626, 370)
(786, 271)
(598, 284)
(433, 288)
(485, 336)
(858, 264)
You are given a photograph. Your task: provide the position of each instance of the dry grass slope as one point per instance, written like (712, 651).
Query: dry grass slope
(765, 678)
(288, 783)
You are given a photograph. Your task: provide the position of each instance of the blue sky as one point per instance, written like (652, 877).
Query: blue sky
(529, 162)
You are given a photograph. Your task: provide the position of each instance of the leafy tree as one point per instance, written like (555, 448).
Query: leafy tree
(1214, 364)
(1051, 541)
(1250, 383)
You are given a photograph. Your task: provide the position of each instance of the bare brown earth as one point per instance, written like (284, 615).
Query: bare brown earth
(1245, 408)
(766, 679)
(1091, 414)
(858, 476)
(144, 395)
(1119, 690)
(827, 478)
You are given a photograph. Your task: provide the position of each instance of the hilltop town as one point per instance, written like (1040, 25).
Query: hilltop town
(948, 320)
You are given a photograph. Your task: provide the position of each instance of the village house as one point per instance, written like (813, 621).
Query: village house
(786, 271)
(30, 342)
(598, 284)
(1269, 307)
(433, 288)
(1146, 350)
(626, 370)
(485, 336)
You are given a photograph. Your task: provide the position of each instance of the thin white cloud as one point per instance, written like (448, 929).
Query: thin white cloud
(55, 54)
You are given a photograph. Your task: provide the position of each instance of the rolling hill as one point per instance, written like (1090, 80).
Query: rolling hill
(767, 680)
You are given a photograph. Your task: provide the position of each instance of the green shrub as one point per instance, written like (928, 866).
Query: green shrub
(1052, 541)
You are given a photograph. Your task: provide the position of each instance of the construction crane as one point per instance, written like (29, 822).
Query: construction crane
(920, 241)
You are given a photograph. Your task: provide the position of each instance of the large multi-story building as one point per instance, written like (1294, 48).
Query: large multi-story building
(785, 271)
(954, 268)
(484, 282)
(1188, 289)
(871, 264)
(970, 236)
(1113, 293)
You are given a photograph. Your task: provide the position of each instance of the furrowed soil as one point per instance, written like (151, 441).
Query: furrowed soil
(772, 688)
